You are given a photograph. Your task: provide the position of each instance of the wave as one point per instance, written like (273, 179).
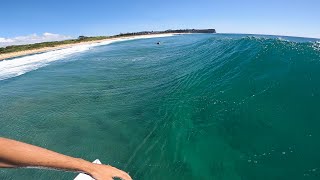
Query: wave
(223, 88)
(207, 107)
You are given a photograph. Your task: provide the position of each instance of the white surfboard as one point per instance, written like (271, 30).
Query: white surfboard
(82, 176)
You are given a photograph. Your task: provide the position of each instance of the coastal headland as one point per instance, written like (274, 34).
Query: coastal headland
(29, 49)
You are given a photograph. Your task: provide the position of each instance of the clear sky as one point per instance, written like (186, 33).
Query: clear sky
(106, 17)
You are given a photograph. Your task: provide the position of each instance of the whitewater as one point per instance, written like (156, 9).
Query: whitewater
(21, 65)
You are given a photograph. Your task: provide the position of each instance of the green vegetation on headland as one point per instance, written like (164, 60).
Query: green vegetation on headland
(167, 32)
(17, 48)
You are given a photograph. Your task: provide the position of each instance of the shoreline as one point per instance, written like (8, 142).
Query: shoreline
(6, 56)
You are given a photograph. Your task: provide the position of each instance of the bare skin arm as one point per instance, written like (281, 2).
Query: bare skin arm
(17, 154)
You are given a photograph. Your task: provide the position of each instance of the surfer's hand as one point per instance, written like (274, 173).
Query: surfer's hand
(18, 154)
(106, 172)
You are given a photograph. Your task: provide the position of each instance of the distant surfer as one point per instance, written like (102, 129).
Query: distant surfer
(14, 154)
(158, 42)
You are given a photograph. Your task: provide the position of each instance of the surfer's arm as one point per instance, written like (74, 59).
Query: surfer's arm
(15, 154)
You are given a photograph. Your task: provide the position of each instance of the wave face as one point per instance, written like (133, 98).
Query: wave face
(220, 106)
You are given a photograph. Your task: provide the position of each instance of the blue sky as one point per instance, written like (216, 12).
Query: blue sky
(107, 17)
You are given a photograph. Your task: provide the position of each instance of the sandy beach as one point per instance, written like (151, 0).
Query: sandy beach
(5, 56)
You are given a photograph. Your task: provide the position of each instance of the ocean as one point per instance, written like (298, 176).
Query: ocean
(200, 106)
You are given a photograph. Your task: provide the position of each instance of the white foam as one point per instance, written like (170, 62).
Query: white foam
(316, 45)
(19, 66)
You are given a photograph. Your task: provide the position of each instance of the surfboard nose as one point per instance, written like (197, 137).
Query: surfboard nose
(82, 176)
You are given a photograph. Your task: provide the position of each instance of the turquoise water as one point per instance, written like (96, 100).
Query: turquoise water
(220, 106)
